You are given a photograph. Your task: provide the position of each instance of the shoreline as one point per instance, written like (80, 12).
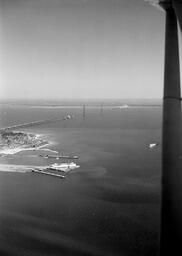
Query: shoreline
(13, 151)
(17, 168)
(34, 144)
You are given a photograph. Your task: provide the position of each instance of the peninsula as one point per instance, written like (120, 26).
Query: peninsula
(13, 142)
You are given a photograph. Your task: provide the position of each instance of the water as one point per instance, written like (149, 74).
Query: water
(109, 206)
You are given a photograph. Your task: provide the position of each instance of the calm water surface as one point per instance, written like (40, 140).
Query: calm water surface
(110, 206)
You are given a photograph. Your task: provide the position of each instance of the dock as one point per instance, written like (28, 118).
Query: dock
(49, 173)
(59, 156)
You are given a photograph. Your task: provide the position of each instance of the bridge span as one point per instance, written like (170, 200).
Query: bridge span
(29, 124)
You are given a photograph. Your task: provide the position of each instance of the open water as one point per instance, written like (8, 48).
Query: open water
(109, 206)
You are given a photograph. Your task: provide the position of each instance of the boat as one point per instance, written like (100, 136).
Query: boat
(64, 167)
(68, 117)
(121, 107)
(153, 145)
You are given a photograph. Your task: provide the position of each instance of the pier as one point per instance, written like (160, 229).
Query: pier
(49, 173)
(59, 156)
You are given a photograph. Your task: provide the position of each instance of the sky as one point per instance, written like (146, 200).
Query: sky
(81, 49)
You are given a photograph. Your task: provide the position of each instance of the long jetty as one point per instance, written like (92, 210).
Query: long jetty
(49, 173)
(59, 156)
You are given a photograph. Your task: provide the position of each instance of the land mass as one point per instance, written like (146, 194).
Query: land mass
(13, 142)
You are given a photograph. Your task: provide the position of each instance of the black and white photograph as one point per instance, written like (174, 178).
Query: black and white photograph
(90, 128)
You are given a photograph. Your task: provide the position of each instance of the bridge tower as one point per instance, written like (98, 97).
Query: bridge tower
(84, 111)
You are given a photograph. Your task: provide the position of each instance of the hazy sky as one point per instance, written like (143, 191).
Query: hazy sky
(81, 49)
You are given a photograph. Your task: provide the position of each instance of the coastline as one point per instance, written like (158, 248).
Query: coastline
(14, 168)
(15, 142)
(17, 168)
